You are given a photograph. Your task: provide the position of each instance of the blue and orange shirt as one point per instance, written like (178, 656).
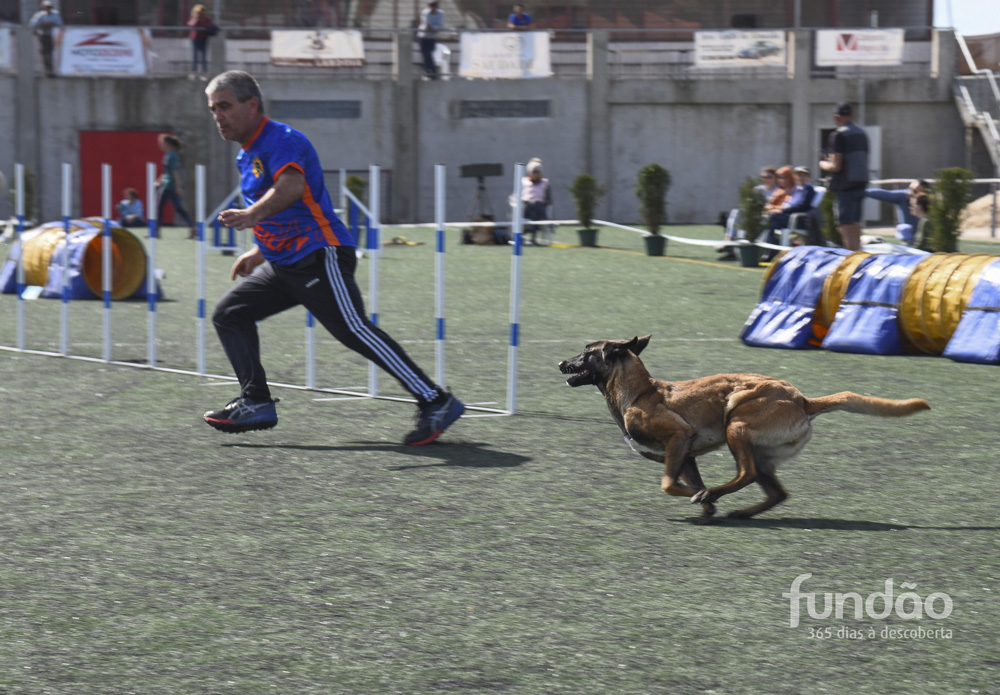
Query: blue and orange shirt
(306, 225)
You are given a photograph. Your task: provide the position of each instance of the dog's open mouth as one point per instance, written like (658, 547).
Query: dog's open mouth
(579, 375)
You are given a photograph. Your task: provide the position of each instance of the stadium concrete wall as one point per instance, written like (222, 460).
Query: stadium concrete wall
(710, 133)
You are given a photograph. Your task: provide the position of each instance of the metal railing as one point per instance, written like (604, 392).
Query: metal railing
(645, 54)
(979, 95)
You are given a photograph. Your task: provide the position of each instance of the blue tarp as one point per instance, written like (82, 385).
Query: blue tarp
(784, 316)
(977, 336)
(867, 319)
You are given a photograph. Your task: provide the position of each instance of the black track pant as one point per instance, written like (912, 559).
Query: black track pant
(323, 283)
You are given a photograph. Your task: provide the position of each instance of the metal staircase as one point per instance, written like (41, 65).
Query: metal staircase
(978, 99)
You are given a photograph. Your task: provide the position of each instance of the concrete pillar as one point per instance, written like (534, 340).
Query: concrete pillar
(598, 155)
(405, 164)
(217, 54)
(801, 145)
(26, 144)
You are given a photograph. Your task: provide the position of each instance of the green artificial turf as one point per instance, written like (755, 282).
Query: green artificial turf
(144, 552)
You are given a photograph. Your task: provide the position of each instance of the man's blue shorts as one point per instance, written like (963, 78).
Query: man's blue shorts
(849, 205)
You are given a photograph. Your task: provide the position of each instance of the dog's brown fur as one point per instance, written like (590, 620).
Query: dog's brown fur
(763, 420)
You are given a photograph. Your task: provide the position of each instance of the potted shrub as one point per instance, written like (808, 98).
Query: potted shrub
(587, 194)
(651, 188)
(752, 221)
(947, 201)
(357, 186)
(830, 231)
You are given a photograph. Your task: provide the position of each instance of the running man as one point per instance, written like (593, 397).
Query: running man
(303, 255)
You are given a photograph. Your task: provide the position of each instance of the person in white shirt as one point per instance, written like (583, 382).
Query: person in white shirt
(536, 195)
(431, 22)
(44, 23)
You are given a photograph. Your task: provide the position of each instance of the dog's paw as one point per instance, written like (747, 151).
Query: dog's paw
(702, 496)
(707, 510)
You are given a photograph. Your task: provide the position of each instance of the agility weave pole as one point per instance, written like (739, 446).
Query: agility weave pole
(373, 249)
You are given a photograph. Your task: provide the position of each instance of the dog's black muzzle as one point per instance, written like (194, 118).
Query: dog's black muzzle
(579, 374)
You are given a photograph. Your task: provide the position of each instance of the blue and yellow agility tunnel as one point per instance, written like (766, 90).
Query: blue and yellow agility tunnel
(881, 304)
(44, 261)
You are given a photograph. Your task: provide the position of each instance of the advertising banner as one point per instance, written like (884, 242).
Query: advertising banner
(103, 51)
(728, 49)
(505, 55)
(859, 47)
(322, 48)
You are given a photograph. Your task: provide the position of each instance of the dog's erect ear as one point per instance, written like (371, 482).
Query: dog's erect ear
(637, 345)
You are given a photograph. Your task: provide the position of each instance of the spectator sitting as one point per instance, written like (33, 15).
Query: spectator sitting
(131, 211)
(519, 19)
(919, 206)
(783, 193)
(906, 229)
(800, 201)
(775, 208)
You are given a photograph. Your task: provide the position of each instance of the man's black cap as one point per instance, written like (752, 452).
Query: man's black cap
(843, 109)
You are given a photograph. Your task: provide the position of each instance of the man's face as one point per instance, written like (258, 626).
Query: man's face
(802, 177)
(235, 120)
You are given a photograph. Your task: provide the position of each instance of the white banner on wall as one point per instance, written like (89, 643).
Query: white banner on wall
(322, 47)
(6, 59)
(727, 49)
(859, 47)
(505, 55)
(103, 51)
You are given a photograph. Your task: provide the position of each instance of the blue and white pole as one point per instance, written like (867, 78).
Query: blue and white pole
(199, 187)
(67, 178)
(106, 256)
(151, 263)
(515, 291)
(374, 229)
(439, 219)
(19, 211)
(310, 351)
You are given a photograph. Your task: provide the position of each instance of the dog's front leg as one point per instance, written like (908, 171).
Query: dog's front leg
(675, 459)
(693, 477)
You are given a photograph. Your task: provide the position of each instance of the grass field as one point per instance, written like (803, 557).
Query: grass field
(145, 553)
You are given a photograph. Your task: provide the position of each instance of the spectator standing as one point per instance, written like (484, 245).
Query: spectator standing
(847, 162)
(44, 23)
(169, 183)
(431, 22)
(536, 196)
(202, 27)
(303, 255)
(519, 19)
(131, 211)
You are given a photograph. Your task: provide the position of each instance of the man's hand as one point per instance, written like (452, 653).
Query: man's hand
(287, 190)
(237, 219)
(245, 264)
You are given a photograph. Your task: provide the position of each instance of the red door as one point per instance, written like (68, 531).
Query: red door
(127, 151)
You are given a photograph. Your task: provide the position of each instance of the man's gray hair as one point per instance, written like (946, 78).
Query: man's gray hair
(241, 84)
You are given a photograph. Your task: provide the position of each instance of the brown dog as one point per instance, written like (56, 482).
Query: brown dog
(763, 420)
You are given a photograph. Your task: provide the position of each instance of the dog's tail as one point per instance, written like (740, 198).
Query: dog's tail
(866, 405)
